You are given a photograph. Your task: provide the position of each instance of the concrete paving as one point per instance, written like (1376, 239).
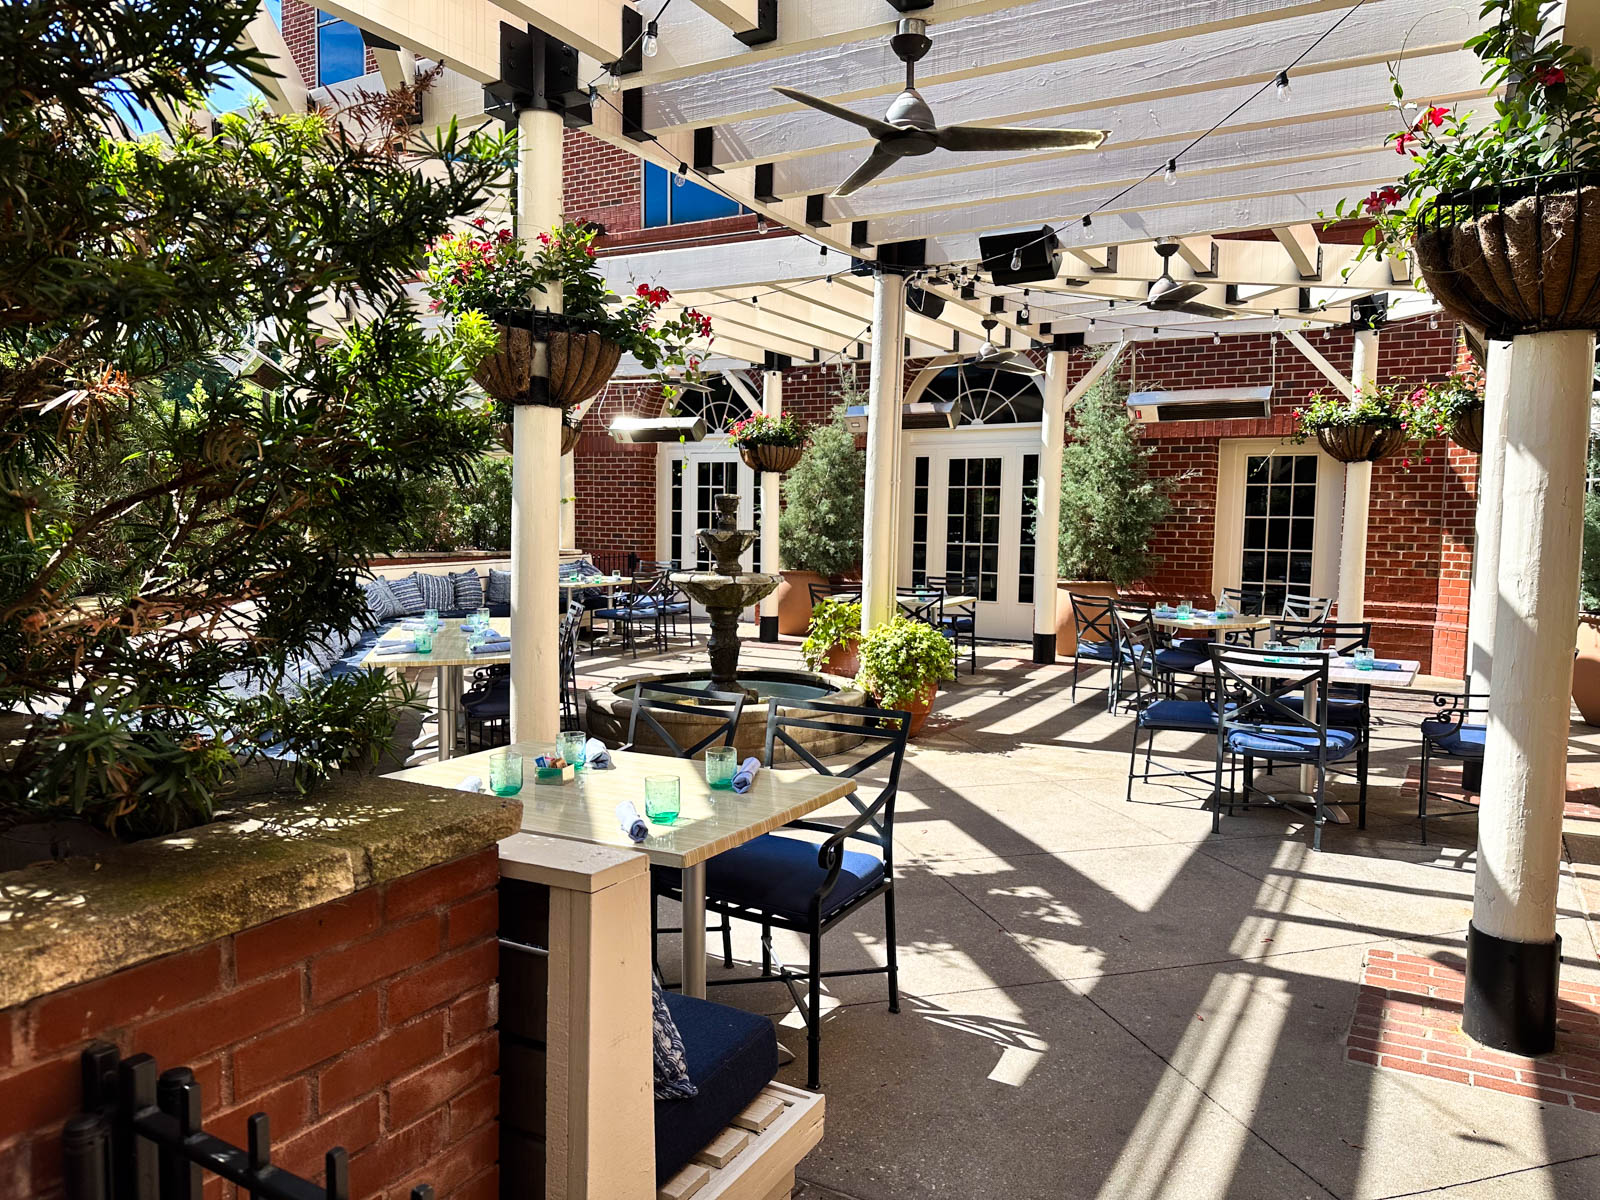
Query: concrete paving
(1103, 999)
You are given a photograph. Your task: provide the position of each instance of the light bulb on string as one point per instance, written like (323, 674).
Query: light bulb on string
(1216, 339)
(1016, 259)
(761, 223)
(1433, 320)
(683, 173)
(652, 42)
(1088, 220)
(1280, 87)
(1277, 320)
(1170, 175)
(613, 82)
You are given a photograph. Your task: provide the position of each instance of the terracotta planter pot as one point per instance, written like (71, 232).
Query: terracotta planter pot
(1360, 443)
(920, 708)
(580, 365)
(794, 601)
(776, 459)
(843, 660)
(1586, 669)
(1066, 622)
(1466, 430)
(1533, 266)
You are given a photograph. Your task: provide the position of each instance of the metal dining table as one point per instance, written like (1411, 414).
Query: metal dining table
(585, 809)
(448, 658)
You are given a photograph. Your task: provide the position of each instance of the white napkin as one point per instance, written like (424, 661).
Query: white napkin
(746, 774)
(596, 755)
(499, 647)
(409, 646)
(470, 784)
(632, 823)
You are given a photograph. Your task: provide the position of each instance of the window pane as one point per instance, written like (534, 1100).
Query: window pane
(1283, 469)
(1279, 501)
(1305, 468)
(1305, 501)
(340, 53)
(655, 195)
(692, 202)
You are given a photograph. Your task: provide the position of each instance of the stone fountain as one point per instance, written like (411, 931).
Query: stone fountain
(726, 591)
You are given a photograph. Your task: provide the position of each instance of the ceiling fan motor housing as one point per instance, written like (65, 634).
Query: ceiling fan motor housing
(910, 40)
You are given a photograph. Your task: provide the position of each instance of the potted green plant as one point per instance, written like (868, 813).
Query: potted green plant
(832, 642)
(1365, 427)
(1501, 214)
(824, 508)
(768, 443)
(1110, 504)
(902, 664)
(489, 271)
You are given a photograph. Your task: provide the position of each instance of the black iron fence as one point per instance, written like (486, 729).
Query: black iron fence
(139, 1138)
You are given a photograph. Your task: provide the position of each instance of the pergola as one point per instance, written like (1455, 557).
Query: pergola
(1194, 85)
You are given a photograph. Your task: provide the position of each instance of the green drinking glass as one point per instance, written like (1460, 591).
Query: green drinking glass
(662, 801)
(505, 774)
(569, 746)
(721, 763)
(424, 641)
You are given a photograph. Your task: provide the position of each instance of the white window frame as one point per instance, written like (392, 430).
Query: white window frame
(1228, 540)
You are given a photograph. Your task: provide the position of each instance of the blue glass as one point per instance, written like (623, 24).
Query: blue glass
(341, 54)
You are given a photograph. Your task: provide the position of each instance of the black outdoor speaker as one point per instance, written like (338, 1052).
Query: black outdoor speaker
(926, 304)
(1037, 252)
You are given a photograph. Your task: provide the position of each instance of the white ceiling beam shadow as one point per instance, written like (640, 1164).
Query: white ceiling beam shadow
(594, 27)
(1312, 355)
(398, 68)
(1145, 39)
(464, 34)
(287, 93)
(1300, 243)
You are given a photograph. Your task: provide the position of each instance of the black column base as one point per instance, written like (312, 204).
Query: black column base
(1511, 993)
(769, 629)
(1044, 648)
(1472, 775)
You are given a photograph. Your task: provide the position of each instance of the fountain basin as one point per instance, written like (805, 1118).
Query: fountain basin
(609, 709)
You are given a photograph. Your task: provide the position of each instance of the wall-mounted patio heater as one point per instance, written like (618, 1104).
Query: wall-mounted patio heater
(1201, 404)
(657, 429)
(919, 414)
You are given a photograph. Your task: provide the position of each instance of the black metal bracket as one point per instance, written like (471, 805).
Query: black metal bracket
(705, 146)
(764, 184)
(766, 29)
(536, 71)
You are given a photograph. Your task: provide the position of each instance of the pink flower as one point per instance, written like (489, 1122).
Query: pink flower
(1402, 143)
(1551, 76)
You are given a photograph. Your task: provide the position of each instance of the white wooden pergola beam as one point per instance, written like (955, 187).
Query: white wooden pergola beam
(1300, 243)
(287, 93)
(851, 296)
(822, 326)
(1328, 371)
(740, 383)
(740, 16)
(745, 323)
(593, 27)
(397, 67)
(465, 34)
(1198, 253)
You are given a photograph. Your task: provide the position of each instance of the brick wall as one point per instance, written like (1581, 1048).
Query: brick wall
(299, 27)
(366, 1022)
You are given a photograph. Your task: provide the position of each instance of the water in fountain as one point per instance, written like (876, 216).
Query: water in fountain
(726, 591)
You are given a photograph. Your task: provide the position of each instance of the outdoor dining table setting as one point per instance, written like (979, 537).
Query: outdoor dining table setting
(448, 646)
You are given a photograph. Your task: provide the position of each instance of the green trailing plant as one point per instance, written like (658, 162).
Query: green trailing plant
(187, 428)
(834, 624)
(1110, 502)
(902, 657)
(758, 429)
(1384, 405)
(824, 497)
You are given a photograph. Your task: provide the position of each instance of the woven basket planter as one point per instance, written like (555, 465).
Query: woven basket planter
(1531, 265)
(771, 458)
(1360, 443)
(580, 364)
(569, 437)
(1466, 430)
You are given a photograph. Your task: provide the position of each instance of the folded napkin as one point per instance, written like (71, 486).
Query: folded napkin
(494, 646)
(407, 646)
(471, 783)
(746, 774)
(596, 755)
(632, 823)
(1388, 664)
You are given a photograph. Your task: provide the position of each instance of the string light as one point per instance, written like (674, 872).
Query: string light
(1170, 175)
(1016, 259)
(652, 43)
(1280, 87)
(822, 250)
(613, 82)
(1433, 320)
(1216, 339)
(1088, 220)
(683, 173)
(761, 224)
(1277, 321)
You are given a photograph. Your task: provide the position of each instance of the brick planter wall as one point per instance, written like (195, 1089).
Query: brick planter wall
(366, 1022)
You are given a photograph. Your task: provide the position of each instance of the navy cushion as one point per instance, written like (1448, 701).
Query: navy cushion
(438, 591)
(1099, 651)
(639, 612)
(468, 586)
(381, 602)
(959, 624)
(1201, 646)
(1179, 714)
(350, 661)
(780, 875)
(1460, 741)
(732, 1055)
(498, 589)
(1170, 658)
(671, 1068)
(1289, 741)
(408, 595)
(500, 610)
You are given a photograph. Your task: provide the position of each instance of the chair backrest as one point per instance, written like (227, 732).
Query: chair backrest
(882, 734)
(1459, 709)
(1246, 604)
(826, 591)
(954, 585)
(1298, 606)
(652, 698)
(1339, 636)
(1139, 639)
(1266, 687)
(1096, 617)
(921, 604)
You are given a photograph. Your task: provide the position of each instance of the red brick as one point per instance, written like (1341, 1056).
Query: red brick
(473, 1014)
(288, 1107)
(443, 979)
(465, 1160)
(243, 1012)
(1422, 1068)
(442, 884)
(77, 1015)
(397, 948)
(355, 1129)
(301, 936)
(474, 918)
(1362, 1056)
(480, 1187)
(473, 1107)
(46, 1094)
(427, 1089)
(398, 1155)
(369, 1067)
(1512, 1088)
(315, 1038)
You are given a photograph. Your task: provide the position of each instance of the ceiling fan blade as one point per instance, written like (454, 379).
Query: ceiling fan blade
(1195, 309)
(1008, 137)
(877, 128)
(879, 161)
(1176, 296)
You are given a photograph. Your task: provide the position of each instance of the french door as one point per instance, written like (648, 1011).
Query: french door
(1279, 519)
(695, 476)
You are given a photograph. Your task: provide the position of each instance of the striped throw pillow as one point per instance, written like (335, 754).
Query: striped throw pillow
(408, 595)
(499, 589)
(438, 592)
(469, 590)
(381, 601)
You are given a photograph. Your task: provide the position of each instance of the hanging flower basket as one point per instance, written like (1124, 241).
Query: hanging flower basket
(1520, 257)
(1360, 441)
(569, 436)
(1466, 430)
(580, 365)
(771, 458)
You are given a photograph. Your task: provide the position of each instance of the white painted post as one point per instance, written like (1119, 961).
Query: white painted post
(1512, 947)
(569, 501)
(1357, 496)
(772, 406)
(878, 569)
(1483, 606)
(536, 471)
(1047, 515)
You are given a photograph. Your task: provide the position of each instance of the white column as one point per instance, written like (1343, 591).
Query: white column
(883, 435)
(1047, 515)
(569, 501)
(1482, 607)
(1511, 947)
(536, 472)
(1357, 496)
(772, 406)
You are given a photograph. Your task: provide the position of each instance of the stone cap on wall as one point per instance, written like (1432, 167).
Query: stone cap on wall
(68, 922)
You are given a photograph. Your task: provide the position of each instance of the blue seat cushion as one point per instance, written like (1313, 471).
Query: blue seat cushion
(1459, 741)
(1196, 715)
(779, 875)
(959, 624)
(641, 612)
(676, 609)
(349, 662)
(487, 706)
(1294, 742)
(1171, 658)
(1345, 711)
(1200, 646)
(1099, 651)
(732, 1055)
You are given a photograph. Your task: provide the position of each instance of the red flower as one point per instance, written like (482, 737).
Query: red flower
(480, 222)
(1402, 142)
(544, 239)
(1551, 76)
(1434, 116)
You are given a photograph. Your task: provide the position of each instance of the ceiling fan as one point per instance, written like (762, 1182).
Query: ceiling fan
(1168, 295)
(992, 358)
(908, 128)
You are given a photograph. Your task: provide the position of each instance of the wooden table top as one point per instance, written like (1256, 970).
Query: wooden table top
(585, 809)
(1341, 670)
(449, 647)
